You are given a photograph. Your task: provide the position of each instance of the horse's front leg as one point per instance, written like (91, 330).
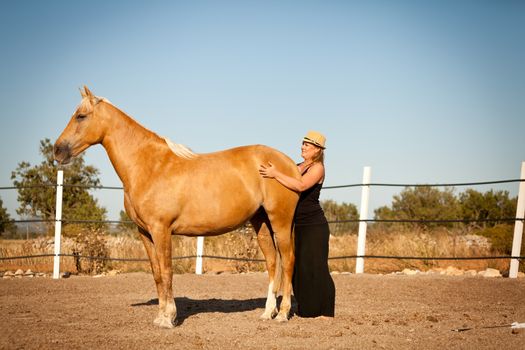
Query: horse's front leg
(155, 269)
(162, 250)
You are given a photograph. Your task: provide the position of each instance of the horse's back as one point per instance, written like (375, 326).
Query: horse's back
(224, 189)
(248, 159)
(274, 196)
(243, 160)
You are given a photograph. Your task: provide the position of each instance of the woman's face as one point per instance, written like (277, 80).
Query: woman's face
(308, 151)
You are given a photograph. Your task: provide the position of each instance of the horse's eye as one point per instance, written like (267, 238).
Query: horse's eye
(81, 117)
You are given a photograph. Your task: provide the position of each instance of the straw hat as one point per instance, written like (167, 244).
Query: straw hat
(315, 138)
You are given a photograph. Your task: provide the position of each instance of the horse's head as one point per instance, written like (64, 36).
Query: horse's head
(85, 128)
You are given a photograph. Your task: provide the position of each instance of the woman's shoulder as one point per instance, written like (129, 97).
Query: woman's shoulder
(317, 165)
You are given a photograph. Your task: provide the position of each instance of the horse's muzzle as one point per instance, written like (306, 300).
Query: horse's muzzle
(62, 152)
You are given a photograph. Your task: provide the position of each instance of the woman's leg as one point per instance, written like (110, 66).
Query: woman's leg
(313, 286)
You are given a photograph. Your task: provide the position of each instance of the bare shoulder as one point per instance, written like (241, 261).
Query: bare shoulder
(318, 169)
(318, 166)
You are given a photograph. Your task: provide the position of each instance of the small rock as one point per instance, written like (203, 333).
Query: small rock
(432, 319)
(19, 273)
(9, 274)
(66, 274)
(29, 273)
(409, 272)
(490, 273)
(471, 273)
(452, 271)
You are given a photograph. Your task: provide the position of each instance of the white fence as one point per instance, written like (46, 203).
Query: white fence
(363, 221)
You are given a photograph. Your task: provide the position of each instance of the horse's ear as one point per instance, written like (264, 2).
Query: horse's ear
(87, 92)
(84, 92)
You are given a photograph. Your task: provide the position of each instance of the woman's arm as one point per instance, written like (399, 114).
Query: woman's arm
(312, 177)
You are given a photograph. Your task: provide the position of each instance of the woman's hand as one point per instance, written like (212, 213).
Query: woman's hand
(314, 175)
(268, 170)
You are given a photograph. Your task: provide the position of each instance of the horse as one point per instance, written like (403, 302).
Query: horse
(170, 190)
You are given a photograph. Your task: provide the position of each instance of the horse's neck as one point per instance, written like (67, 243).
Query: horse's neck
(126, 144)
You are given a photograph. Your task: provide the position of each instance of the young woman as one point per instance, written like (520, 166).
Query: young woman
(313, 286)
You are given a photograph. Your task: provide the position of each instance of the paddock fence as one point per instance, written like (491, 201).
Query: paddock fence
(363, 222)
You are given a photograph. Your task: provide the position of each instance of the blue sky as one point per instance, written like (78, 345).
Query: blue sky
(421, 91)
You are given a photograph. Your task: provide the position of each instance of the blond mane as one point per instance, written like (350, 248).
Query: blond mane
(180, 150)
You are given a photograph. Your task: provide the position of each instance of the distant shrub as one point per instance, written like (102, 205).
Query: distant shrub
(501, 237)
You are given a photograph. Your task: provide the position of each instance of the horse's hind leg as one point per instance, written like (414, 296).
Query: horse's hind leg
(264, 238)
(282, 231)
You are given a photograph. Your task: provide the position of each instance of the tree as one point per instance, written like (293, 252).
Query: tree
(340, 212)
(421, 203)
(38, 201)
(6, 225)
(486, 206)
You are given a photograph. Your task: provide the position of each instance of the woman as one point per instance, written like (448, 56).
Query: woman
(313, 286)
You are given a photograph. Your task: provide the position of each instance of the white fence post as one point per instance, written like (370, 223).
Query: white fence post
(200, 249)
(518, 226)
(58, 224)
(363, 215)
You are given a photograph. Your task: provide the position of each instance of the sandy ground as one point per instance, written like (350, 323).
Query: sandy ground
(221, 312)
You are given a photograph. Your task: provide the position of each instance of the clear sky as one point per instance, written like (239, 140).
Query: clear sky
(421, 91)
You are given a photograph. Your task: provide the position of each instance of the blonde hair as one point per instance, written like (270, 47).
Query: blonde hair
(180, 150)
(319, 157)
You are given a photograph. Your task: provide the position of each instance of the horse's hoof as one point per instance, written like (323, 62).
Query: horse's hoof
(163, 322)
(268, 315)
(265, 317)
(281, 318)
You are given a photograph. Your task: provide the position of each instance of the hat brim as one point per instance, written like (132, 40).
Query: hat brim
(306, 139)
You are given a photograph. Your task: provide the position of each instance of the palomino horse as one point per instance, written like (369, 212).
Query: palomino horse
(170, 190)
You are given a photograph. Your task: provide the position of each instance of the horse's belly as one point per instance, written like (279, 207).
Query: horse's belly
(212, 222)
(205, 227)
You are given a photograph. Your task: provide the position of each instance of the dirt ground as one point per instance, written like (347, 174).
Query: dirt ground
(221, 312)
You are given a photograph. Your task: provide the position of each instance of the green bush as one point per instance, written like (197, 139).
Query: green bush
(501, 237)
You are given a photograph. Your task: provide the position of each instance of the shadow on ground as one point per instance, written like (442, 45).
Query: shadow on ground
(187, 307)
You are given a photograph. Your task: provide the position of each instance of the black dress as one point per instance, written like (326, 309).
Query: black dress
(313, 287)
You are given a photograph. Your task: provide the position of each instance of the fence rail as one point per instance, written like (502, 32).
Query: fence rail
(218, 257)
(515, 257)
(426, 221)
(372, 184)
(459, 184)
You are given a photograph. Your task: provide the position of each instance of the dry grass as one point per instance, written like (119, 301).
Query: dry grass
(243, 244)
(416, 243)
